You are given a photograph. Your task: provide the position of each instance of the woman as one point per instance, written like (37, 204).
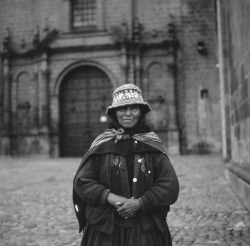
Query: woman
(125, 184)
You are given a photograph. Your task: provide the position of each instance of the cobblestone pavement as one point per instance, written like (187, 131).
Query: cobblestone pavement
(36, 205)
(207, 211)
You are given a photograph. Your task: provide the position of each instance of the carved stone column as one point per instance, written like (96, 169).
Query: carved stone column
(36, 101)
(54, 124)
(136, 50)
(43, 108)
(66, 15)
(13, 110)
(138, 67)
(6, 142)
(124, 62)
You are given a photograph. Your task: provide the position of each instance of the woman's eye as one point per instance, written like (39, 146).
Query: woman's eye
(125, 109)
(122, 109)
(134, 107)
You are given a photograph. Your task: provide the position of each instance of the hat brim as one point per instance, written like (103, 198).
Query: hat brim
(144, 106)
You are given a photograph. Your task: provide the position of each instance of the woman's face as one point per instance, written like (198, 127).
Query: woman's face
(128, 116)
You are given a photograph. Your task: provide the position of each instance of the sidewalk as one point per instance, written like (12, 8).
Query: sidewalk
(36, 205)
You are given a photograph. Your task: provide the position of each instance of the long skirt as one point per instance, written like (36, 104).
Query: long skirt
(127, 237)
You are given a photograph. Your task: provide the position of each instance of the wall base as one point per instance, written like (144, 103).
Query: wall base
(239, 180)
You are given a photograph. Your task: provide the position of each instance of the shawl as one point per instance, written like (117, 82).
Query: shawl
(149, 138)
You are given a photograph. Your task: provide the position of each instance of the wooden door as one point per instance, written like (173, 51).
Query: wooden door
(85, 94)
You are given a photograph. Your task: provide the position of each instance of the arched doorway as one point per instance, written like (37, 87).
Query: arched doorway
(85, 94)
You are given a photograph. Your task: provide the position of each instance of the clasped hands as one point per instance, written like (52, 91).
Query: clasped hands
(125, 207)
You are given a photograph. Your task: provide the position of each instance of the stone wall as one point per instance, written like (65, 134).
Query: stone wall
(22, 18)
(1, 104)
(199, 47)
(238, 38)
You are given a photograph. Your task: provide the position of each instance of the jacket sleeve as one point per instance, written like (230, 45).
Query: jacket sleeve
(165, 188)
(86, 183)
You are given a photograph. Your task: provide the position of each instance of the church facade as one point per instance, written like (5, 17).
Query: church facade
(61, 60)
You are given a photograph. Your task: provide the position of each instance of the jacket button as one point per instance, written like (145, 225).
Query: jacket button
(134, 180)
(135, 141)
(139, 161)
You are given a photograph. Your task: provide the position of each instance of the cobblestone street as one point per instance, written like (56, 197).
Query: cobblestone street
(36, 206)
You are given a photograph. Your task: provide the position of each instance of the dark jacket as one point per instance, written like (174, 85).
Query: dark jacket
(155, 184)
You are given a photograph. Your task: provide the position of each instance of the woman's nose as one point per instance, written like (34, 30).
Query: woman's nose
(128, 111)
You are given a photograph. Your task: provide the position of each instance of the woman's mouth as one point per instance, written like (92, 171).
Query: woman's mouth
(127, 120)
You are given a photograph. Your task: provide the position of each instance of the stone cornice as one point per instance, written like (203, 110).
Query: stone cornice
(38, 49)
(82, 48)
(77, 42)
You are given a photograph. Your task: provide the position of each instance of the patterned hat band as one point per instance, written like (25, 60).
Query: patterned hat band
(127, 94)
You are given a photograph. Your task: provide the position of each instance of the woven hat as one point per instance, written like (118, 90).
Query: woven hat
(127, 94)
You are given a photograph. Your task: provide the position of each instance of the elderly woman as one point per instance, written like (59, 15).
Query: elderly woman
(125, 183)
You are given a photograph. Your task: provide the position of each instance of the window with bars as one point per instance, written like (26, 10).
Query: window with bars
(84, 13)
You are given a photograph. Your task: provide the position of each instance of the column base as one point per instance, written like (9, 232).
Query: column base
(5, 146)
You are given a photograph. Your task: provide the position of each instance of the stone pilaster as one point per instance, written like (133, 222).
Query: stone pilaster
(138, 67)
(36, 101)
(43, 108)
(124, 62)
(66, 18)
(6, 143)
(13, 108)
(54, 122)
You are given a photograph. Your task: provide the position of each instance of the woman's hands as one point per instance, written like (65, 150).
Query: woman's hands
(129, 208)
(114, 199)
(125, 207)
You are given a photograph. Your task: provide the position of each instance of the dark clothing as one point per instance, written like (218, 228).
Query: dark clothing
(126, 237)
(128, 168)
